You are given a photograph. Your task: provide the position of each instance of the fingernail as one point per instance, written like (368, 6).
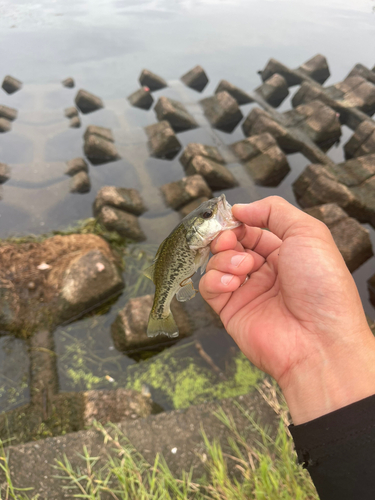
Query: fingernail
(226, 279)
(237, 259)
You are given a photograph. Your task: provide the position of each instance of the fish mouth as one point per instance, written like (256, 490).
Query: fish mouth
(224, 213)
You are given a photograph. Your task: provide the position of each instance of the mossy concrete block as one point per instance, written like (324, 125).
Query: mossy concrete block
(371, 289)
(362, 141)
(240, 95)
(196, 78)
(5, 125)
(125, 199)
(273, 66)
(123, 223)
(4, 173)
(75, 122)
(216, 174)
(180, 193)
(68, 82)
(186, 209)
(71, 112)
(222, 111)
(151, 80)
(11, 84)
(87, 102)
(8, 113)
(175, 114)
(130, 327)
(141, 98)
(98, 150)
(364, 72)
(316, 68)
(80, 183)
(196, 149)
(352, 239)
(162, 141)
(274, 90)
(105, 133)
(76, 165)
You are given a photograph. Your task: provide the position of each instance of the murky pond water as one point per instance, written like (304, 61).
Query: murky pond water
(104, 45)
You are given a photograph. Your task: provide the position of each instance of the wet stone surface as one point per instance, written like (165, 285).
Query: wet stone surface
(8, 113)
(151, 80)
(355, 91)
(196, 78)
(362, 141)
(215, 174)
(274, 90)
(124, 223)
(180, 193)
(125, 199)
(98, 149)
(162, 141)
(141, 98)
(175, 114)
(364, 72)
(11, 84)
(87, 102)
(196, 149)
(80, 183)
(316, 68)
(352, 239)
(222, 111)
(240, 95)
(76, 165)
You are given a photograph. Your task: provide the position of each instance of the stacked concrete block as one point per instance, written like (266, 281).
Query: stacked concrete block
(352, 239)
(76, 165)
(141, 98)
(151, 80)
(162, 141)
(196, 149)
(175, 114)
(361, 70)
(240, 95)
(263, 159)
(362, 141)
(316, 68)
(274, 90)
(8, 113)
(87, 102)
(99, 145)
(196, 78)
(180, 193)
(354, 92)
(222, 111)
(273, 66)
(123, 223)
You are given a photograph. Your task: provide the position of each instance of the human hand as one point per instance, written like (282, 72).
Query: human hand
(299, 316)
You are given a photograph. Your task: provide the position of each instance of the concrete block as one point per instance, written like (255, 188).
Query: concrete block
(162, 141)
(196, 78)
(180, 193)
(222, 111)
(175, 114)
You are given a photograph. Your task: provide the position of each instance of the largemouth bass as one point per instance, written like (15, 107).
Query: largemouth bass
(178, 258)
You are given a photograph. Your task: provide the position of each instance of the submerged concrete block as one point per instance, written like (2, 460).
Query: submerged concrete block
(129, 328)
(196, 149)
(274, 66)
(274, 90)
(362, 141)
(355, 92)
(240, 95)
(162, 141)
(8, 113)
(75, 122)
(352, 239)
(87, 102)
(5, 125)
(180, 193)
(151, 80)
(316, 68)
(216, 175)
(196, 78)
(123, 223)
(68, 82)
(98, 150)
(125, 199)
(141, 98)
(175, 114)
(11, 84)
(76, 165)
(105, 133)
(222, 111)
(80, 183)
(4, 173)
(71, 112)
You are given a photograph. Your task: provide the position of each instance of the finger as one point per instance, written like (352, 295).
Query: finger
(232, 262)
(217, 288)
(227, 240)
(259, 240)
(280, 217)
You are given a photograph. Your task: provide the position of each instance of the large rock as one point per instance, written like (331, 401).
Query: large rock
(180, 193)
(263, 159)
(130, 327)
(80, 183)
(8, 113)
(274, 66)
(216, 175)
(196, 149)
(5, 125)
(99, 150)
(240, 95)
(123, 223)
(361, 70)
(162, 141)
(354, 92)
(371, 288)
(152, 81)
(175, 113)
(11, 85)
(87, 102)
(68, 82)
(274, 90)
(222, 111)
(103, 132)
(141, 98)
(196, 78)
(352, 239)
(122, 198)
(76, 165)
(362, 141)
(4, 173)
(316, 68)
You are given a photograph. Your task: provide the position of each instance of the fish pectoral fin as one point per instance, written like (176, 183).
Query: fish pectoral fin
(186, 292)
(149, 272)
(201, 259)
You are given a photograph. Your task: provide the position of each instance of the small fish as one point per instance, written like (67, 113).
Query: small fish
(178, 258)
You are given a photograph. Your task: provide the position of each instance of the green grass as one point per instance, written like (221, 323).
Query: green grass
(267, 471)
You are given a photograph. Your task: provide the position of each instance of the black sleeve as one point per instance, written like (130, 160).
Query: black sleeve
(338, 450)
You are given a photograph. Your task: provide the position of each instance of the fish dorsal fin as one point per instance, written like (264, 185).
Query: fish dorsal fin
(150, 271)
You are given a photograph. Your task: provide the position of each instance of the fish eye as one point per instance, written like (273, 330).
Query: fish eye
(207, 215)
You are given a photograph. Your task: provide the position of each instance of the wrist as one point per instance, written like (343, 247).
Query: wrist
(331, 379)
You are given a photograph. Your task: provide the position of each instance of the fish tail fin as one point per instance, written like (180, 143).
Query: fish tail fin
(166, 326)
